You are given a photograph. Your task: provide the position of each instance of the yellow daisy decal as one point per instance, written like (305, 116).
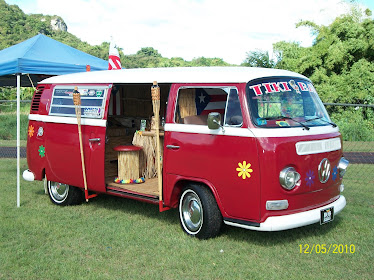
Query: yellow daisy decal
(244, 170)
(31, 131)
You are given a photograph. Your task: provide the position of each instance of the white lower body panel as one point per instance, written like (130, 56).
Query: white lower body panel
(277, 223)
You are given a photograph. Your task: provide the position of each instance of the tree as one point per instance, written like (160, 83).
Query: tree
(204, 61)
(259, 58)
(148, 52)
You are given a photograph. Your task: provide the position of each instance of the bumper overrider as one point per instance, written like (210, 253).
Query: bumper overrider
(28, 175)
(277, 223)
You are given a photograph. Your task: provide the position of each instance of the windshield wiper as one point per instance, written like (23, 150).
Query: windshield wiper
(287, 118)
(322, 119)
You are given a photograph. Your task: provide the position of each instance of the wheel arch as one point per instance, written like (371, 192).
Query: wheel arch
(182, 182)
(39, 173)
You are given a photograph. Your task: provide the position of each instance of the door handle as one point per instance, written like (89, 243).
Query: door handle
(94, 140)
(172, 147)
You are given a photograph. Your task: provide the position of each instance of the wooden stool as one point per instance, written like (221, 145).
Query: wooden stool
(128, 162)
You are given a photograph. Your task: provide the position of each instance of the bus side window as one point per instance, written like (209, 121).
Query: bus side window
(234, 115)
(194, 104)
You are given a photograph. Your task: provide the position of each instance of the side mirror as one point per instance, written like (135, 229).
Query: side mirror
(214, 120)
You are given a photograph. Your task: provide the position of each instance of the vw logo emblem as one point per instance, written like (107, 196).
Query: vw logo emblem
(324, 170)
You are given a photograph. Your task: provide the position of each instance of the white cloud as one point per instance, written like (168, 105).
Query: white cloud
(192, 28)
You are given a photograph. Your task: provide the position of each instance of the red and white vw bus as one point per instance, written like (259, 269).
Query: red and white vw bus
(248, 147)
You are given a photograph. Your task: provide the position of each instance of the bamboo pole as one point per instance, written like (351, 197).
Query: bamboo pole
(77, 103)
(155, 91)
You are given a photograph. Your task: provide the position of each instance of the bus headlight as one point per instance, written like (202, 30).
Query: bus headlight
(342, 166)
(289, 178)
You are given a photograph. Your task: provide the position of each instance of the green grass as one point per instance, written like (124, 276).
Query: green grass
(8, 127)
(114, 238)
(358, 146)
(8, 120)
(12, 143)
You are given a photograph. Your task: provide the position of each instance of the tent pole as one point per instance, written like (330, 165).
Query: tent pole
(18, 138)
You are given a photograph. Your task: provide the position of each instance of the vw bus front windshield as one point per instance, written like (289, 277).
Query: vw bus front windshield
(285, 102)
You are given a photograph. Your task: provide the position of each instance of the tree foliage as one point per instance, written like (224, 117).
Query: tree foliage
(259, 58)
(341, 65)
(341, 60)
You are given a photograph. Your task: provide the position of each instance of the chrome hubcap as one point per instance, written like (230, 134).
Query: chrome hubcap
(192, 211)
(58, 191)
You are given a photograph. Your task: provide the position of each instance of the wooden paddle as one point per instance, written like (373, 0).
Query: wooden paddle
(77, 103)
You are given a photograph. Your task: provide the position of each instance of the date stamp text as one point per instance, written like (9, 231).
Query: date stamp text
(327, 248)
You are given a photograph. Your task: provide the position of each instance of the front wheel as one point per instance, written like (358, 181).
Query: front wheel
(62, 194)
(199, 213)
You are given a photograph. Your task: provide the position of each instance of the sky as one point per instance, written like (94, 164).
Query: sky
(192, 28)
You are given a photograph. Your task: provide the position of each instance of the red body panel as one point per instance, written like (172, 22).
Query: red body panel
(61, 160)
(278, 153)
(207, 158)
(64, 160)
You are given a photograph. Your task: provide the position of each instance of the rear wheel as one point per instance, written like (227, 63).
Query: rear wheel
(62, 194)
(199, 213)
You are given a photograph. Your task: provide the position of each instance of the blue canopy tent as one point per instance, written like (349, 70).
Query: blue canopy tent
(29, 62)
(40, 56)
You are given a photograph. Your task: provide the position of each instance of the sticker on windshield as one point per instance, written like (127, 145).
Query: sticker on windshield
(261, 121)
(294, 86)
(282, 123)
(284, 86)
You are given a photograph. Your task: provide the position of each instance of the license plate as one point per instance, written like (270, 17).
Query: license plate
(327, 215)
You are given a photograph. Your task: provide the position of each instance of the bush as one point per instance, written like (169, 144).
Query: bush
(353, 126)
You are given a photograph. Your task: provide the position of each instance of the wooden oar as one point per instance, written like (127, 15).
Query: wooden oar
(77, 103)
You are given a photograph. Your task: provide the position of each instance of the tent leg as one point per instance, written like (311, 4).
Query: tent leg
(18, 138)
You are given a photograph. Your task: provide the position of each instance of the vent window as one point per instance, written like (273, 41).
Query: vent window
(36, 100)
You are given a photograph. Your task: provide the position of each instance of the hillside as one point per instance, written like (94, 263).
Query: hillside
(16, 26)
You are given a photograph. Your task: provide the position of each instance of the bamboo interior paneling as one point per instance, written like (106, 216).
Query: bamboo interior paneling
(147, 156)
(137, 100)
(186, 102)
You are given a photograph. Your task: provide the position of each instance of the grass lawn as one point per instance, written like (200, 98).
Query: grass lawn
(8, 127)
(114, 238)
(12, 143)
(358, 146)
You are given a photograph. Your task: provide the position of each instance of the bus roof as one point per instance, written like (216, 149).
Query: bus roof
(171, 75)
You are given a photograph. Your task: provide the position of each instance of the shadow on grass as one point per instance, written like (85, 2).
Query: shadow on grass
(134, 207)
(170, 217)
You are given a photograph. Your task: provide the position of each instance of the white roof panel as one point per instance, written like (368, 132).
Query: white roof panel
(171, 75)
